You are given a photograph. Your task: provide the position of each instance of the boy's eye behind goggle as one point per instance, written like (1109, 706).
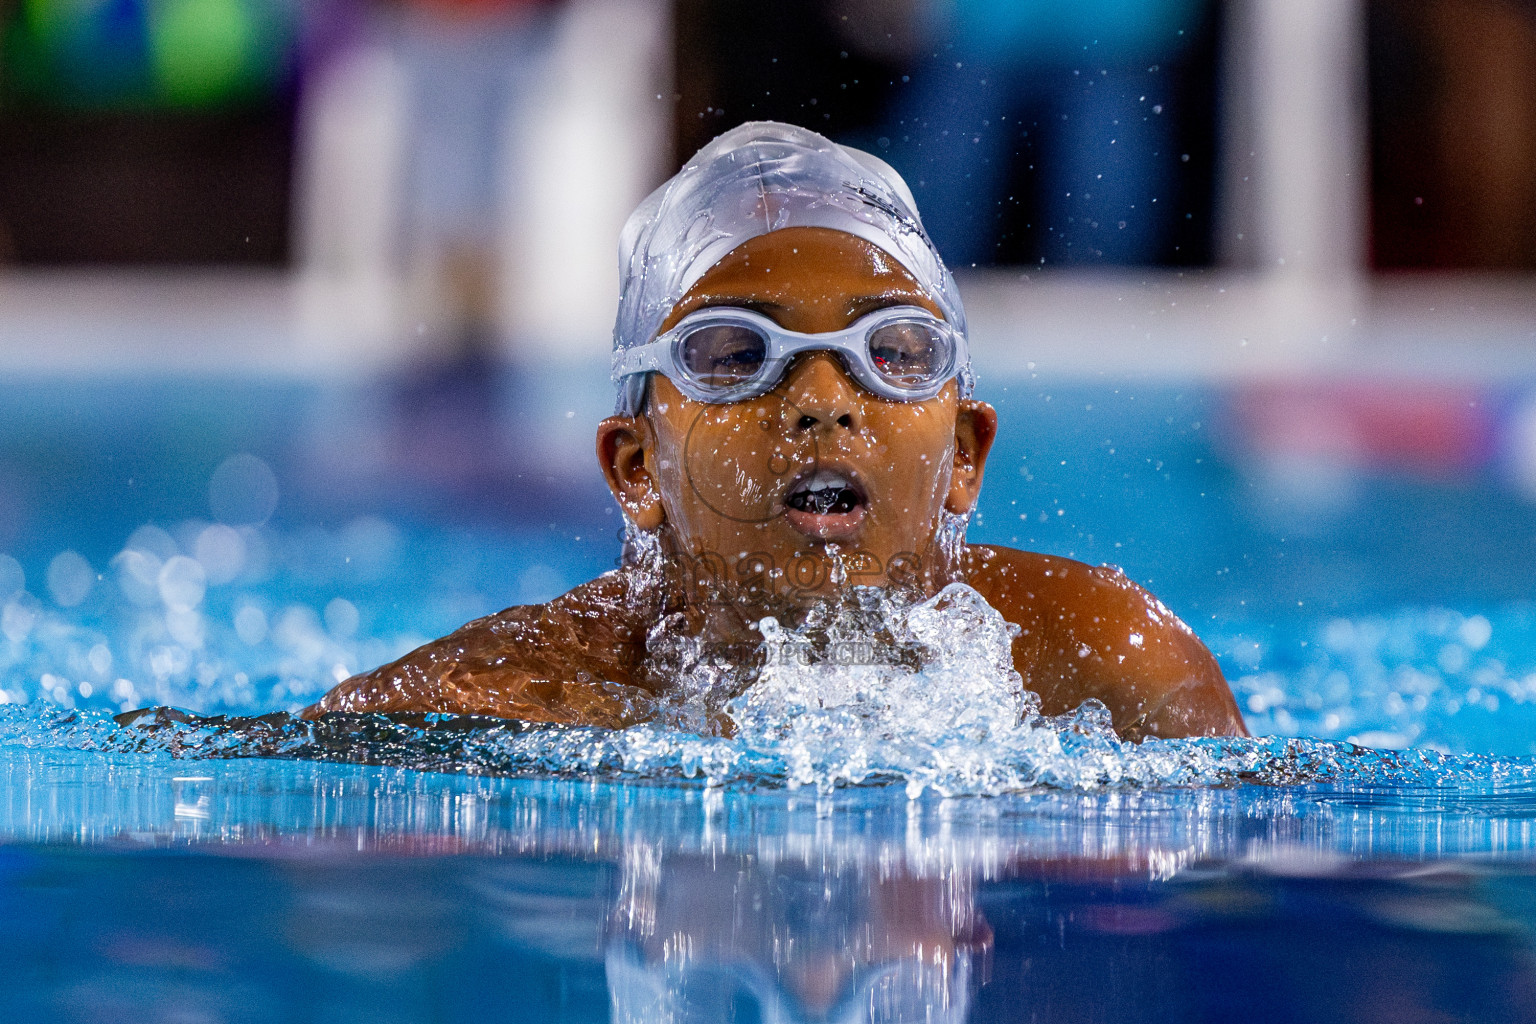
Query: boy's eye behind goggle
(717, 355)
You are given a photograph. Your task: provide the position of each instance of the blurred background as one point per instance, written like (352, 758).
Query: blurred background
(329, 186)
(304, 314)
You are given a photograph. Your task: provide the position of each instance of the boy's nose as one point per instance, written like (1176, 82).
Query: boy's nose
(820, 393)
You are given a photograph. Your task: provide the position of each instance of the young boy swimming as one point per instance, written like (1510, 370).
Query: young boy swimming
(795, 418)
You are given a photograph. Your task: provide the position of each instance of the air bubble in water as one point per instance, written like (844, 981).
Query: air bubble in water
(243, 491)
(138, 575)
(341, 618)
(251, 624)
(152, 540)
(221, 551)
(182, 583)
(70, 578)
(18, 617)
(12, 579)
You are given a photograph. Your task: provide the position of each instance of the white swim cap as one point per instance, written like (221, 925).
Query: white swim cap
(760, 177)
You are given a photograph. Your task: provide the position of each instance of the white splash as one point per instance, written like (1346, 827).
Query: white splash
(867, 690)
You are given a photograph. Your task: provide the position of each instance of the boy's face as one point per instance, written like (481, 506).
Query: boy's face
(731, 482)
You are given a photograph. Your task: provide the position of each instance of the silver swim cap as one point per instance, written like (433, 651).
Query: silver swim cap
(760, 177)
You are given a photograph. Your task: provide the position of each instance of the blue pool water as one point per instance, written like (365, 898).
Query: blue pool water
(234, 548)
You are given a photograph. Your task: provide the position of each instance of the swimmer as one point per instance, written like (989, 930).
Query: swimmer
(795, 418)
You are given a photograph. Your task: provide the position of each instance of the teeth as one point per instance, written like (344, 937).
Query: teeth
(825, 492)
(825, 480)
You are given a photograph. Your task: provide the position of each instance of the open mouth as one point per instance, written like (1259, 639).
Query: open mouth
(827, 505)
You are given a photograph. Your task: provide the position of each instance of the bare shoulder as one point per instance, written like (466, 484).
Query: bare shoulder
(1051, 591)
(1090, 631)
(568, 660)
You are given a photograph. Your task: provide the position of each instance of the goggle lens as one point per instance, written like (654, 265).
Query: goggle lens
(723, 355)
(910, 353)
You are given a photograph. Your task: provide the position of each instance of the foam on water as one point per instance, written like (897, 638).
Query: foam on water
(866, 690)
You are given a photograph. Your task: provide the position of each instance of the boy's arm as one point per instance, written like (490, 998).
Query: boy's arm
(1090, 632)
(567, 661)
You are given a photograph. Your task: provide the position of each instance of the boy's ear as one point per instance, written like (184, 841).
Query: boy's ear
(975, 429)
(621, 447)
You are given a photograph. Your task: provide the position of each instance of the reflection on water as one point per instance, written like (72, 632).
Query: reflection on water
(51, 795)
(699, 938)
(112, 935)
(133, 888)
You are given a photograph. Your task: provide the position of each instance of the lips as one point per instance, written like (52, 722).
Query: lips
(827, 504)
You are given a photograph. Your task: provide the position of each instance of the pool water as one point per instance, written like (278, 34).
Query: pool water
(236, 547)
(136, 887)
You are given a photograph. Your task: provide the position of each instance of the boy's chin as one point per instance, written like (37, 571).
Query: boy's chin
(837, 527)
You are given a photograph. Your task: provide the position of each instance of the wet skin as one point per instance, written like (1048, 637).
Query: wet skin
(722, 488)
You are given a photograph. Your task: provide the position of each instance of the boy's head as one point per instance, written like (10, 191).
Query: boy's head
(812, 389)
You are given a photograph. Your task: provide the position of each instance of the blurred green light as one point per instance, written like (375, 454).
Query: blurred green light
(138, 53)
(201, 51)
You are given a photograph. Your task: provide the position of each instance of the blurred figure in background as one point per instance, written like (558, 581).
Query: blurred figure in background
(458, 78)
(1035, 132)
(468, 65)
(462, 156)
(1074, 91)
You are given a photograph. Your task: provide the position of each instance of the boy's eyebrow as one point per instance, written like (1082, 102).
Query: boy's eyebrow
(869, 303)
(742, 302)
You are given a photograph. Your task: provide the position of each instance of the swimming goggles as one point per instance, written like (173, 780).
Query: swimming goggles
(726, 354)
